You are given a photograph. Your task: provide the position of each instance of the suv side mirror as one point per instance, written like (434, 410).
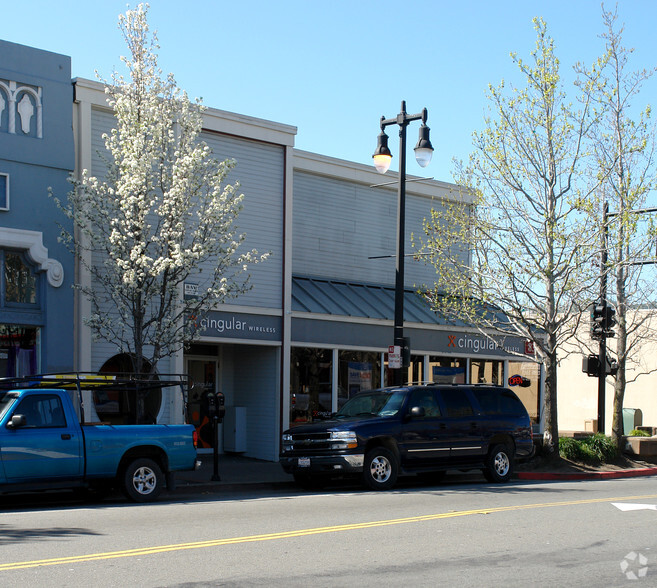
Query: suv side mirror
(17, 421)
(417, 412)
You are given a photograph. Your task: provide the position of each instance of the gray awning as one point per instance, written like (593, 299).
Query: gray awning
(334, 297)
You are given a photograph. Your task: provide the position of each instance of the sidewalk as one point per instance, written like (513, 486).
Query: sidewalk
(236, 471)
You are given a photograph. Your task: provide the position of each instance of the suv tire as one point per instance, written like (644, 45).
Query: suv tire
(499, 464)
(380, 469)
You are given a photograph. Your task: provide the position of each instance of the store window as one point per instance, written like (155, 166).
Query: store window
(310, 384)
(447, 370)
(488, 371)
(357, 371)
(18, 343)
(18, 351)
(526, 386)
(414, 373)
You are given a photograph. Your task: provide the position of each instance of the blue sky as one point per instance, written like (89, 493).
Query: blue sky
(333, 68)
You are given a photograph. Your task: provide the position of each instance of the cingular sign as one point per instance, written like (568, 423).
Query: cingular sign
(239, 326)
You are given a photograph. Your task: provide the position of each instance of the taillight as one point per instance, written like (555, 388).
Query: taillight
(195, 438)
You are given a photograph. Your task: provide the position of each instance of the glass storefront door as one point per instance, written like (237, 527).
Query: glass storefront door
(203, 380)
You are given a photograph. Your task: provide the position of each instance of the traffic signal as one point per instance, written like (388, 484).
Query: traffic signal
(598, 317)
(591, 365)
(610, 321)
(603, 318)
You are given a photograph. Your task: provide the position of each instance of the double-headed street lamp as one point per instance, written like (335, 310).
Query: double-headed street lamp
(382, 158)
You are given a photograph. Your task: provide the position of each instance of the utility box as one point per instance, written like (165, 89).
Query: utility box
(632, 418)
(591, 426)
(235, 429)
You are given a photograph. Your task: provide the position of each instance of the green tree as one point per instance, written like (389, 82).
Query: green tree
(514, 257)
(162, 213)
(624, 150)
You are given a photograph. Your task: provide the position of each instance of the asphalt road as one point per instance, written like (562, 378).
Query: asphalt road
(587, 533)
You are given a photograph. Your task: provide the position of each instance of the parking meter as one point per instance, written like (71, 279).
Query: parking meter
(210, 404)
(215, 406)
(221, 405)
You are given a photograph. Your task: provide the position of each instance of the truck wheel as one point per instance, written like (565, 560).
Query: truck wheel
(143, 480)
(380, 469)
(499, 464)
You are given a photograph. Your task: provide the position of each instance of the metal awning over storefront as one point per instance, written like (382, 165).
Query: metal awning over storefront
(333, 297)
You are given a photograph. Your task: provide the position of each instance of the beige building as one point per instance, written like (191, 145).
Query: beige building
(577, 402)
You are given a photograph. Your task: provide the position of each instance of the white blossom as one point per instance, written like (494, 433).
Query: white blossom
(163, 212)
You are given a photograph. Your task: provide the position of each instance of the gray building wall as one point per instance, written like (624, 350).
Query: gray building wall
(340, 224)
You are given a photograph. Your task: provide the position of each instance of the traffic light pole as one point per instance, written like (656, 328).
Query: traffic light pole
(607, 312)
(602, 356)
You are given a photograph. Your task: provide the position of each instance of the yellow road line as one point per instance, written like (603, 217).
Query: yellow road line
(300, 533)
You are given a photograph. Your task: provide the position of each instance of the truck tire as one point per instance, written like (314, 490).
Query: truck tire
(143, 480)
(380, 469)
(499, 464)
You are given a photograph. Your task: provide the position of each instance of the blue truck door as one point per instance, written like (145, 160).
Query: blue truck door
(47, 447)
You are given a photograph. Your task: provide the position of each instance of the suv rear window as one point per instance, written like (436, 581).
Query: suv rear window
(498, 401)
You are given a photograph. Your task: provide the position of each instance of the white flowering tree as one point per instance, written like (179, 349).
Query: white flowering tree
(162, 214)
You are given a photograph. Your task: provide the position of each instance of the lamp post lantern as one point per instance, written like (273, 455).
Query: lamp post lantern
(382, 159)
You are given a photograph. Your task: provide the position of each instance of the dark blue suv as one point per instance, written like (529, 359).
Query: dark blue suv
(423, 429)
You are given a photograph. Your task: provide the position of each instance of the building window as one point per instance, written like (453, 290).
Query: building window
(357, 371)
(310, 384)
(488, 371)
(127, 406)
(528, 390)
(20, 284)
(447, 370)
(18, 351)
(4, 191)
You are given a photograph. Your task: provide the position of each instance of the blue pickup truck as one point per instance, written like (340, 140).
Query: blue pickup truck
(43, 446)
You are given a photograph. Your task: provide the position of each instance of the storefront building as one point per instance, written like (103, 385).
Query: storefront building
(342, 306)
(316, 326)
(36, 153)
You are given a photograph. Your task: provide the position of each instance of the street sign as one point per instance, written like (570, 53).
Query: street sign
(394, 357)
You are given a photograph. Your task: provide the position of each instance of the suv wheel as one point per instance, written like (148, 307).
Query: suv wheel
(499, 464)
(380, 469)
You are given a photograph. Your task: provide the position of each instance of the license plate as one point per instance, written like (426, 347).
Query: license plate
(304, 462)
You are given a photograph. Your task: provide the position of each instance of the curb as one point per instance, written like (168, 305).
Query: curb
(608, 475)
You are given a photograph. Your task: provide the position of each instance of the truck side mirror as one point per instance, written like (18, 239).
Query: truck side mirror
(17, 421)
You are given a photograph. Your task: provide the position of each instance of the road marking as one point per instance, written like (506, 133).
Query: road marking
(143, 551)
(624, 506)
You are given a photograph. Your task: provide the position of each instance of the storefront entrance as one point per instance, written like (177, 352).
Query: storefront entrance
(203, 376)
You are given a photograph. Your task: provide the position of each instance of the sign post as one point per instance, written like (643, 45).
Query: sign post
(394, 357)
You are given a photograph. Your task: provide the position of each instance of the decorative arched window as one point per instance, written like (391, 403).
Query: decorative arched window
(129, 406)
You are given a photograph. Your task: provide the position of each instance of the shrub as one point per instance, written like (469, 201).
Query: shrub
(594, 450)
(638, 433)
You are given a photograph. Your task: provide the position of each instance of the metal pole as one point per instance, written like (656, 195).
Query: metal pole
(602, 356)
(215, 453)
(401, 230)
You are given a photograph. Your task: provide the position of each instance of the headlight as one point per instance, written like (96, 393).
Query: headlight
(344, 439)
(286, 444)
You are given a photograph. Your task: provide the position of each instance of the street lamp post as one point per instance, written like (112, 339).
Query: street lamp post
(382, 159)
